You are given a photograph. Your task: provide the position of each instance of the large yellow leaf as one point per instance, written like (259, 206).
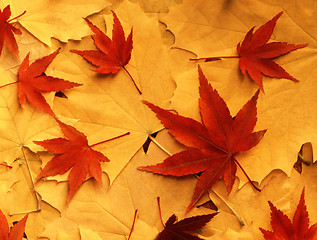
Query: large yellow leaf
(109, 212)
(109, 105)
(19, 127)
(59, 19)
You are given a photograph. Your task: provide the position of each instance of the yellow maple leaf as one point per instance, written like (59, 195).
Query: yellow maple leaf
(61, 20)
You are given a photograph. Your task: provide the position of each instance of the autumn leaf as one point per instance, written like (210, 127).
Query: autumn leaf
(255, 54)
(178, 230)
(284, 229)
(33, 81)
(16, 232)
(7, 30)
(73, 152)
(213, 144)
(112, 55)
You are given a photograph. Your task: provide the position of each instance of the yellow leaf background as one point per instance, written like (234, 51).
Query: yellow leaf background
(166, 33)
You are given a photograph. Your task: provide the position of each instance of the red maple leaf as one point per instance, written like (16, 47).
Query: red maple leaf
(283, 229)
(17, 230)
(256, 55)
(212, 144)
(181, 230)
(7, 30)
(32, 81)
(112, 55)
(73, 153)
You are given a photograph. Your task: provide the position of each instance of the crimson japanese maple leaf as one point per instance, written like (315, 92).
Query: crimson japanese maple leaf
(112, 55)
(256, 54)
(17, 230)
(180, 230)
(32, 81)
(212, 144)
(7, 31)
(283, 229)
(72, 152)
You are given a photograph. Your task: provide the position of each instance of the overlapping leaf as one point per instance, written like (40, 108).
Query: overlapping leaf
(213, 144)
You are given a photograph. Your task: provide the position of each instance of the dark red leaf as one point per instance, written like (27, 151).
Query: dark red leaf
(180, 230)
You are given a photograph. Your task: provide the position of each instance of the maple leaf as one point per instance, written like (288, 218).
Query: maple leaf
(255, 54)
(32, 81)
(284, 229)
(73, 152)
(112, 55)
(7, 30)
(212, 144)
(17, 230)
(178, 230)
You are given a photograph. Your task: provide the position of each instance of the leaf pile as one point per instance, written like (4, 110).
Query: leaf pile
(102, 112)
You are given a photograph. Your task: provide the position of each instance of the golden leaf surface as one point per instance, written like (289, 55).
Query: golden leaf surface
(110, 105)
(61, 19)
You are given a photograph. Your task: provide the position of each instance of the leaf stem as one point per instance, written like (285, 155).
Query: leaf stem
(160, 211)
(134, 219)
(250, 181)
(160, 146)
(95, 144)
(16, 17)
(37, 196)
(212, 58)
(3, 164)
(228, 205)
(132, 80)
(303, 159)
(8, 84)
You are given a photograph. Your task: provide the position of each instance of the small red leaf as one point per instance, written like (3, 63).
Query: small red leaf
(256, 55)
(284, 229)
(112, 55)
(73, 153)
(7, 31)
(212, 144)
(33, 81)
